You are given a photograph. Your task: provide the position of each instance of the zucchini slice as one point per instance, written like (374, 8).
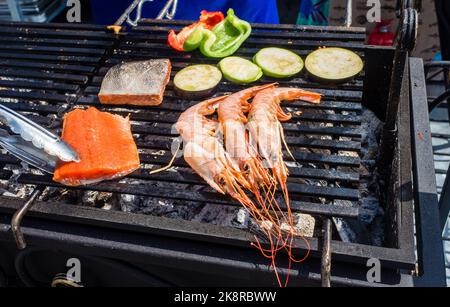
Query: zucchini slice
(333, 65)
(197, 81)
(239, 70)
(278, 62)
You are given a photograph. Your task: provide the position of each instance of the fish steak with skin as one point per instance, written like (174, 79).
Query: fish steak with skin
(136, 83)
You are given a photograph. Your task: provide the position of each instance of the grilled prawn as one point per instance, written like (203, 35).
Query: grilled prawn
(266, 132)
(266, 136)
(233, 120)
(205, 154)
(240, 166)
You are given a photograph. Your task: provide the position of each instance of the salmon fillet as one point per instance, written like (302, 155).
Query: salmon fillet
(136, 83)
(104, 144)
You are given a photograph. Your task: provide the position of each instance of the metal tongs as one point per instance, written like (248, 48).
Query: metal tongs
(36, 146)
(32, 143)
(168, 11)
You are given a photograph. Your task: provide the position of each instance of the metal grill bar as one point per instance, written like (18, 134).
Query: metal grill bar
(51, 57)
(261, 33)
(54, 67)
(294, 30)
(36, 32)
(38, 85)
(188, 176)
(55, 41)
(16, 73)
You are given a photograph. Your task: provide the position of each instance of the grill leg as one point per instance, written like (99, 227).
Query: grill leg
(447, 88)
(18, 216)
(14, 8)
(444, 201)
(326, 253)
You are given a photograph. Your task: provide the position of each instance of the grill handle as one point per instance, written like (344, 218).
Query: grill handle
(18, 216)
(405, 4)
(406, 40)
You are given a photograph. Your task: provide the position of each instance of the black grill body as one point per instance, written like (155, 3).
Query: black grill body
(63, 65)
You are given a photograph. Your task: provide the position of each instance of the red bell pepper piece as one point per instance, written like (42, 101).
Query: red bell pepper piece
(210, 19)
(207, 20)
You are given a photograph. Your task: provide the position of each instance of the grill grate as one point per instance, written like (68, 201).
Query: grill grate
(48, 63)
(46, 70)
(326, 127)
(326, 124)
(149, 41)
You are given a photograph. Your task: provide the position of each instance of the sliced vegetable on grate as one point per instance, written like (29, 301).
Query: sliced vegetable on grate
(278, 62)
(333, 65)
(240, 70)
(197, 81)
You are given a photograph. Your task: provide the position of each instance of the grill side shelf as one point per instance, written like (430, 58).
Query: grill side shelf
(430, 249)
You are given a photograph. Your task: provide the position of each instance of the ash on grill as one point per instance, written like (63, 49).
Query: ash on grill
(368, 229)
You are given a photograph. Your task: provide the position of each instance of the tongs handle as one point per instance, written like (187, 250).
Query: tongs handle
(349, 13)
(172, 5)
(26, 152)
(138, 4)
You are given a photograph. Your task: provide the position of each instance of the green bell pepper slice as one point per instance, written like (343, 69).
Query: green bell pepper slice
(221, 41)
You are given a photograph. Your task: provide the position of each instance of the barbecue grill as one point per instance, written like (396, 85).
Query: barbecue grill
(49, 69)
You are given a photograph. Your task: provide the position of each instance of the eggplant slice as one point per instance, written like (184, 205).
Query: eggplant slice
(197, 81)
(278, 62)
(333, 65)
